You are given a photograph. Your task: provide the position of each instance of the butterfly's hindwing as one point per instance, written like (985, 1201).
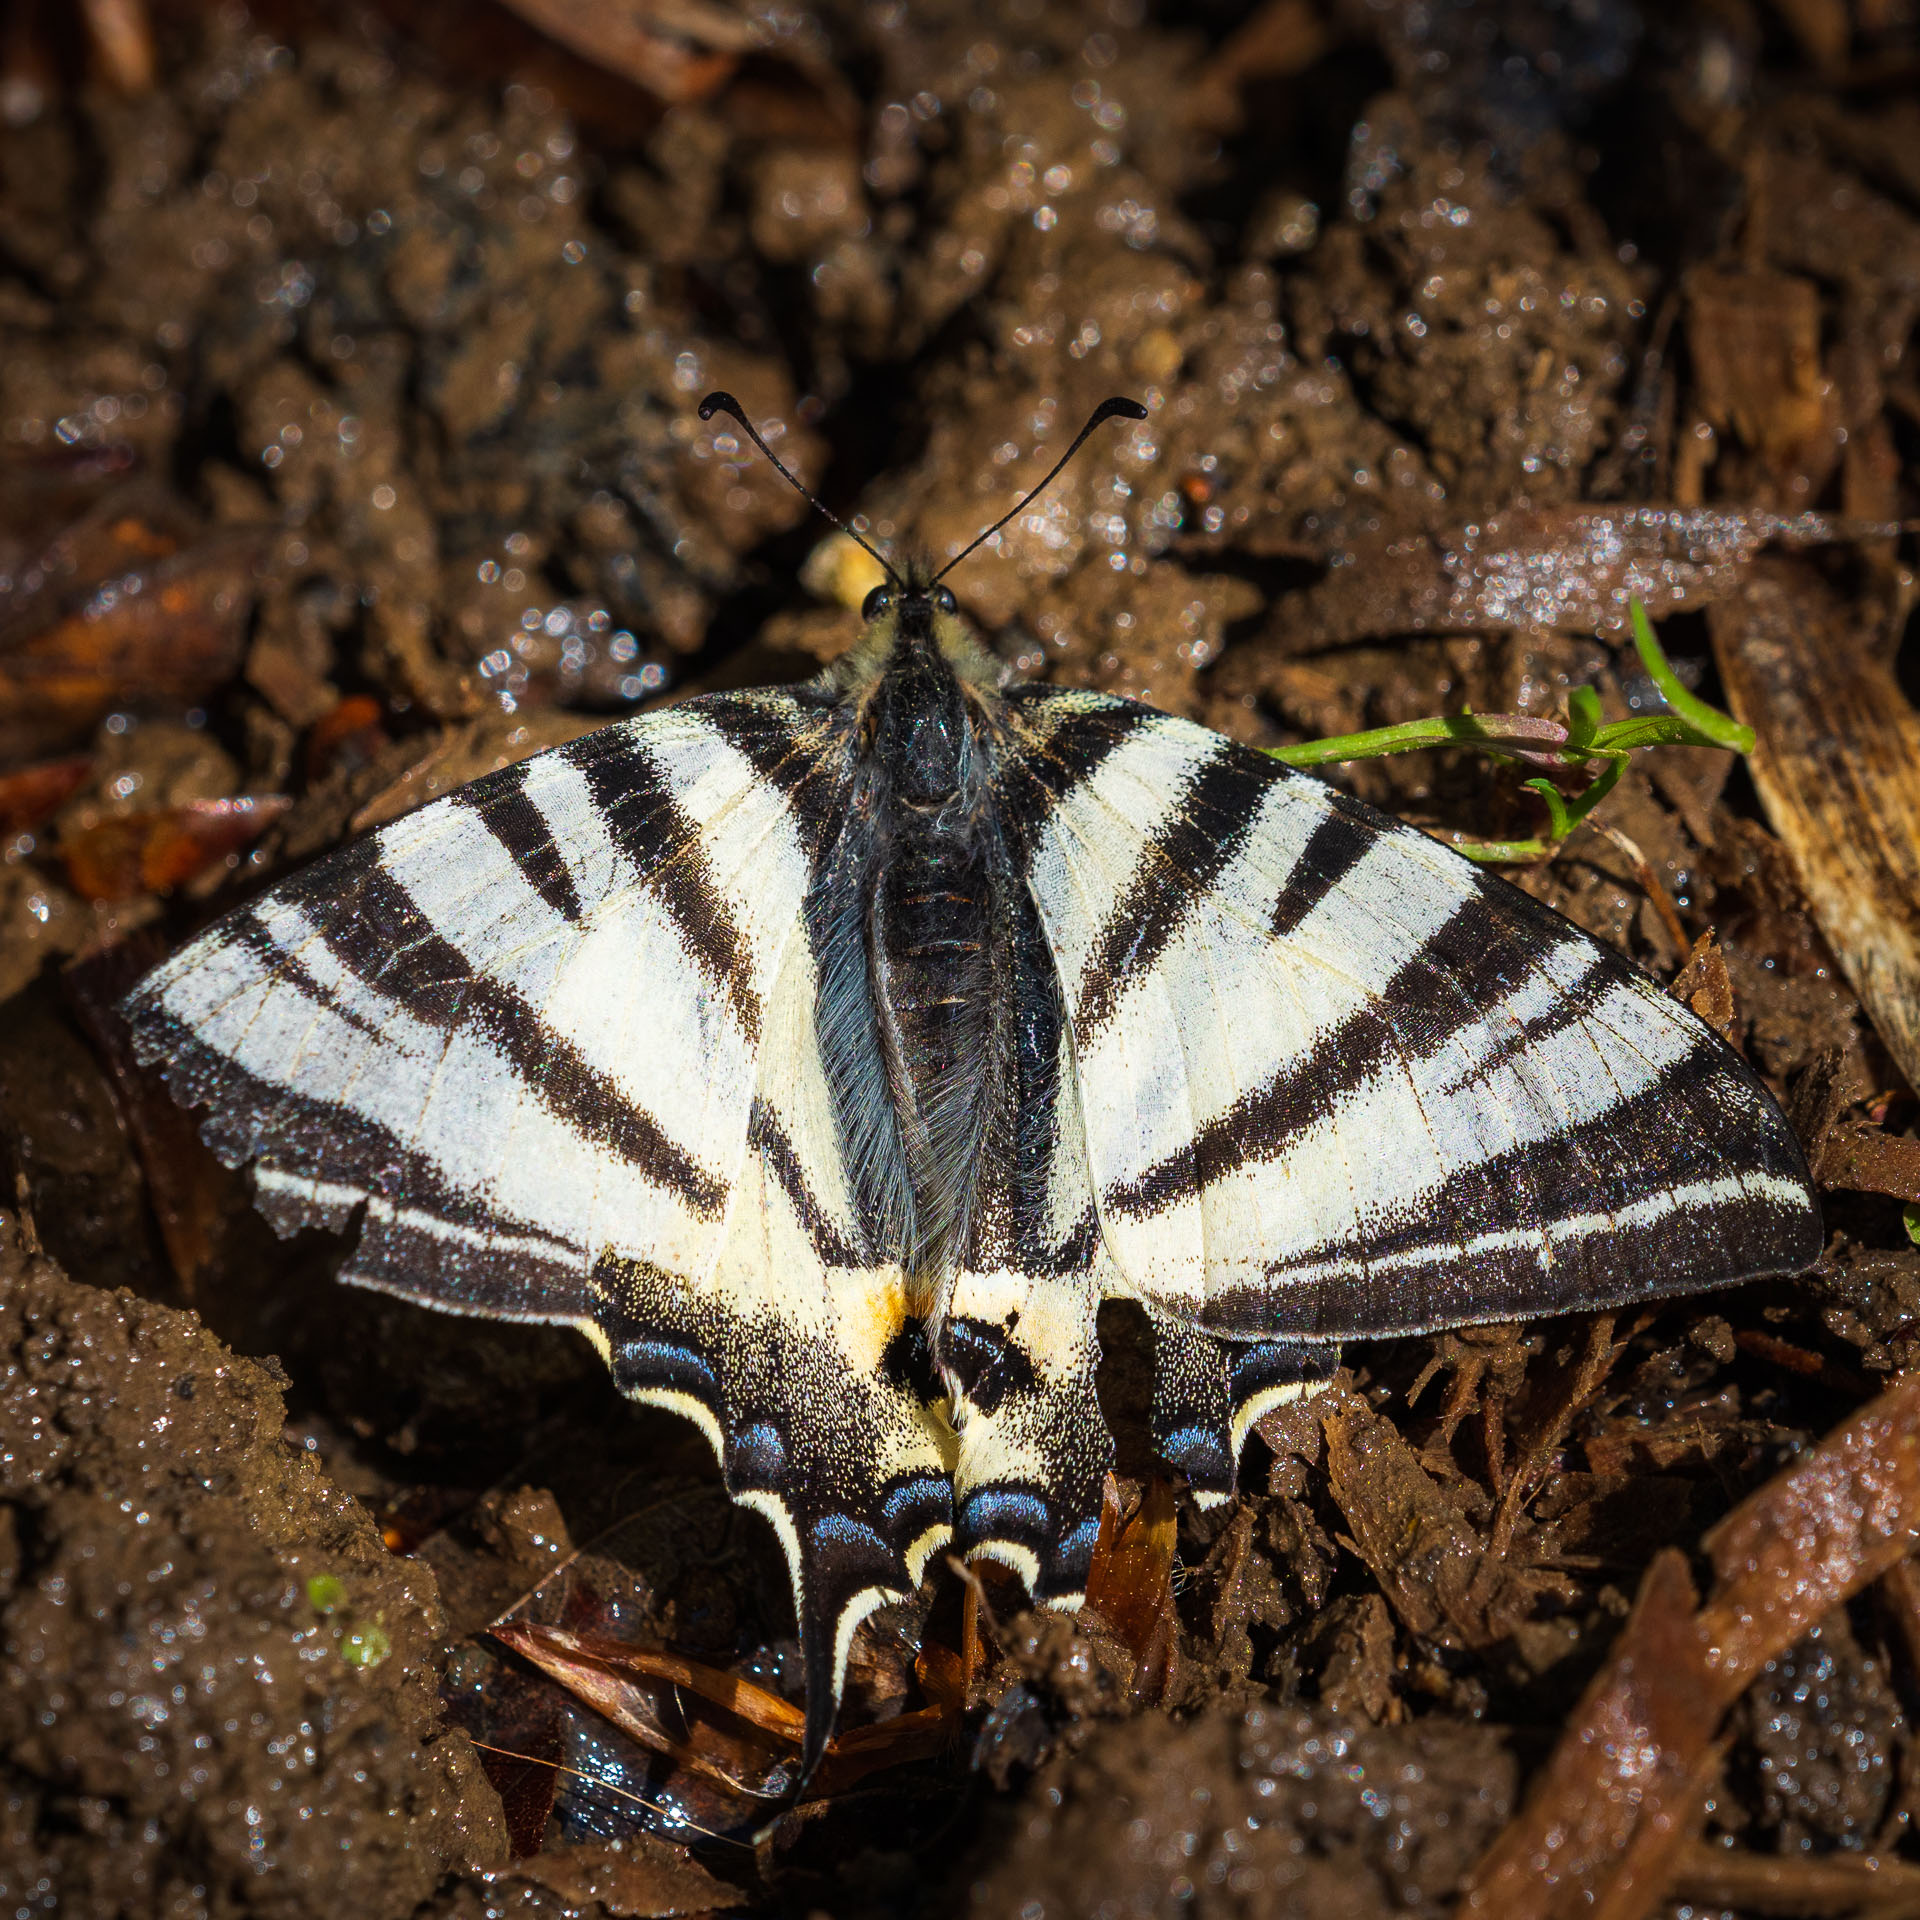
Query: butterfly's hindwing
(1018, 1342)
(799, 1358)
(1341, 1083)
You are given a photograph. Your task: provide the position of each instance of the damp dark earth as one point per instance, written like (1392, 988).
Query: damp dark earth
(350, 361)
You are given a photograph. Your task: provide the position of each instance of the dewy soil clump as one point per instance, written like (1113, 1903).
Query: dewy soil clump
(216, 1685)
(348, 449)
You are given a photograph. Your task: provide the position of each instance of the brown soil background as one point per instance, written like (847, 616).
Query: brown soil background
(348, 449)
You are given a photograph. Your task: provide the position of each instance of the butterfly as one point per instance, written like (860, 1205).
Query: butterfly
(827, 1054)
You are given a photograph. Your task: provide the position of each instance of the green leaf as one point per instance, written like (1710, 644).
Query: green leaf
(366, 1646)
(1910, 1219)
(1583, 717)
(1575, 746)
(1716, 729)
(326, 1592)
(1559, 820)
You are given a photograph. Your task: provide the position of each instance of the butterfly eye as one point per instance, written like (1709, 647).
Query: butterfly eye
(876, 603)
(945, 600)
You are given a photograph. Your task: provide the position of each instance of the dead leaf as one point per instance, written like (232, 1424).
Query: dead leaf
(156, 850)
(681, 51)
(1704, 985)
(191, 1193)
(1130, 1580)
(756, 1753)
(1846, 1886)
(166, 634)
(121, 37)
(1754, 339)
(349, 736)
(1417, 1542)
(1569, 569)
(1280, 37)
(30, 795)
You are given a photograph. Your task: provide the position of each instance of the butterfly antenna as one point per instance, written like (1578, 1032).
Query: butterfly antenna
(1117, 408)
(722, 402)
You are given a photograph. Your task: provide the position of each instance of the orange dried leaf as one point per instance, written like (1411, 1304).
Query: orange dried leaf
(647, 1698)
(942, 1674)
(1130, 1583)
(33, 794)
(555, 1649)
(166, 635)
(625, 1684)
(156, 850)
(352, 731)
(681, 51)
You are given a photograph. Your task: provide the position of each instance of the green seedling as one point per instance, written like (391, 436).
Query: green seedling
(1581, 744)
(366, 1646)
(327, 1592)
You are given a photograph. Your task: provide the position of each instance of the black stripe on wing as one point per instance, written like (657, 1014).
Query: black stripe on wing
(1638, 1202)
(1333, 849)
(808, 761)
(637, 806)
(1202, 830)
(1057, 741)
(514, 818)
(1483, 953)
(768, 1138)
(387, 941)
(322, 1165)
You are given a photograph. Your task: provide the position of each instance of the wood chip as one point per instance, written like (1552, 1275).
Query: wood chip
(1837, 765)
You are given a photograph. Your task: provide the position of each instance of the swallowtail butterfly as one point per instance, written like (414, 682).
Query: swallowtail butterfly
(827, 1054)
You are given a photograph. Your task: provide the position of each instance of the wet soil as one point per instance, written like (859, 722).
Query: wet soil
(348, 448)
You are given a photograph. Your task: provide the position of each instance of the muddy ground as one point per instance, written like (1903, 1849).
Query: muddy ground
(348, 366)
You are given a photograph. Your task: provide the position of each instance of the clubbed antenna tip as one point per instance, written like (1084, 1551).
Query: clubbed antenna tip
(1115, 407)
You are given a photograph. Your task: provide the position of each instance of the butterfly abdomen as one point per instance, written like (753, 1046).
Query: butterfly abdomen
(931, 917)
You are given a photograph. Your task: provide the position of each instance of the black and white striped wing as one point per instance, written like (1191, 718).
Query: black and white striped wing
(546, 1044)
(509, 1030)
(1336, 1082)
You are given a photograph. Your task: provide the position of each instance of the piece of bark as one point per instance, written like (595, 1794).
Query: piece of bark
(1836, 761)
(1610, 1818)
(1754, 339)
(1569, 569)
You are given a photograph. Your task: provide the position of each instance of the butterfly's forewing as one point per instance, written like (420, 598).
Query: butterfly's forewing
(1337, 1082)
(477, 1028)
